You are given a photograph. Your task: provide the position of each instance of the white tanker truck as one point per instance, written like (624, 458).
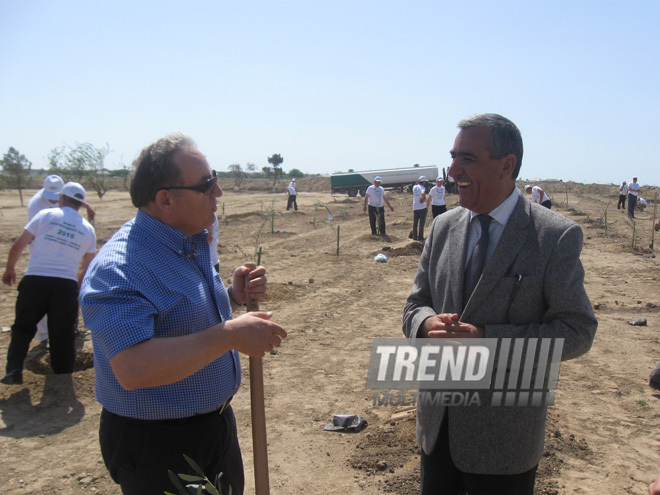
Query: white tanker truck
(352, 183)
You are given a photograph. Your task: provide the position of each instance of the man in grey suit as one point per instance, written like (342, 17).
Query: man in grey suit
(529, 284)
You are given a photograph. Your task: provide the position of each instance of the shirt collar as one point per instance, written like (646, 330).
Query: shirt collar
(170, 237)
(503, 211)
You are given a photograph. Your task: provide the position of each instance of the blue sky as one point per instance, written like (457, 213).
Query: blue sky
(336, 85)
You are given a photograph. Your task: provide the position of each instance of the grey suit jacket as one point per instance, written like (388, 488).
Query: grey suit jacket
(549, 300)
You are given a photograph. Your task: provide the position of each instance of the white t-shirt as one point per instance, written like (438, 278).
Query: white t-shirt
(215, 232)
(37, 203)
(376, 195)
(623, 190)
(437, 194)
(418, 190)
(633, 188)
(536, 195)
(61, 238)
(292, 188)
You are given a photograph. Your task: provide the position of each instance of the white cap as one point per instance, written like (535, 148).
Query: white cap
(73, 190)
(440, 179)
(422, 178)
(527, 187)
(52, 187)
(378, 179)
(293, 180)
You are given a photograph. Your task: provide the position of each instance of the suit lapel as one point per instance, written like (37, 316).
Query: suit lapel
(505, 253)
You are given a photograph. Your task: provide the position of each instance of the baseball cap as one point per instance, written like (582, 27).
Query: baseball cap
(293, 180)
(422, 178)
(378, 179)
(440, 179)
(527, 187)
(52, 187)
(73, 190)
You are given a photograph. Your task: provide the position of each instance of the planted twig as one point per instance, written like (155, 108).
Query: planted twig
(655, 211)
(338, 226)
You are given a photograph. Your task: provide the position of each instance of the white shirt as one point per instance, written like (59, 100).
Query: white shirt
(292, 188)
(633, 188)
(418, 190)
(536, 195)
(61, 238)
(500, 215)
(376, 195)
(437, 195)
(623, 189)
(215, 232)
(37, 203)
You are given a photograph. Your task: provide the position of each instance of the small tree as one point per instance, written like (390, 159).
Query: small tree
(237, 174)
(83, 160)
(17, 169)
(276, 161)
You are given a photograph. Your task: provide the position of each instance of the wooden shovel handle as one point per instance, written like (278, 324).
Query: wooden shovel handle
(259, 441)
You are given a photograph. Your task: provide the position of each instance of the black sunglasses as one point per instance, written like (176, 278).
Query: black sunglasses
(205, 188)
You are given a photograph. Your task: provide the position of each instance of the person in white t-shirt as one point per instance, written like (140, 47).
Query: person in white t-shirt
(539, 196)
(623, 192)
(61, 242)
(47, 197)
(641, 204)
(633, 193)
(437, 194)
(375, 198)
(420, 208)
(291, 190)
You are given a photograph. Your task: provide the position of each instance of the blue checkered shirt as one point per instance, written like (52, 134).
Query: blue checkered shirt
(151, 281)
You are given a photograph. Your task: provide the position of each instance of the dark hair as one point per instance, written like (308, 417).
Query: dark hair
(154, 168)
(74, 203)
(505, 137)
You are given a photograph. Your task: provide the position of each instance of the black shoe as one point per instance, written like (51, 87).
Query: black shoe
(14, 377)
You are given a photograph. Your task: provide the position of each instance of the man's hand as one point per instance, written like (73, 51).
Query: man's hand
(9, 277)
(253, 334)
(90, 212)
(654, 488)
(446, 325)
(248, 282)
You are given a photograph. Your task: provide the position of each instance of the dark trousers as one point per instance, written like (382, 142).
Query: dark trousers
(438, 210)
(377, 212)
(548, 204)
(622, 202)
(39, 296)
(632, 202)
(419, 219)
(138, 453)
(440, 476)
(292, 201)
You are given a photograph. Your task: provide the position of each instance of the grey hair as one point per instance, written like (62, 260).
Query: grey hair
(155, 168)
(504, 139)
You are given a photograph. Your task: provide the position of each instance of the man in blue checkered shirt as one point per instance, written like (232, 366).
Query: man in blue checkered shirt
(165, 343)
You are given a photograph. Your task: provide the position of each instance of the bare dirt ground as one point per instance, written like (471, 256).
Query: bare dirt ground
(603, 434)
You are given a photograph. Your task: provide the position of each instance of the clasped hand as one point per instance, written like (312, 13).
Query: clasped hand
(447, 325)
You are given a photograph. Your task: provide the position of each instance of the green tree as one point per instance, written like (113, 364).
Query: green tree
(17, 171)
(294, 172)
(276, 161)
(82, 161)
